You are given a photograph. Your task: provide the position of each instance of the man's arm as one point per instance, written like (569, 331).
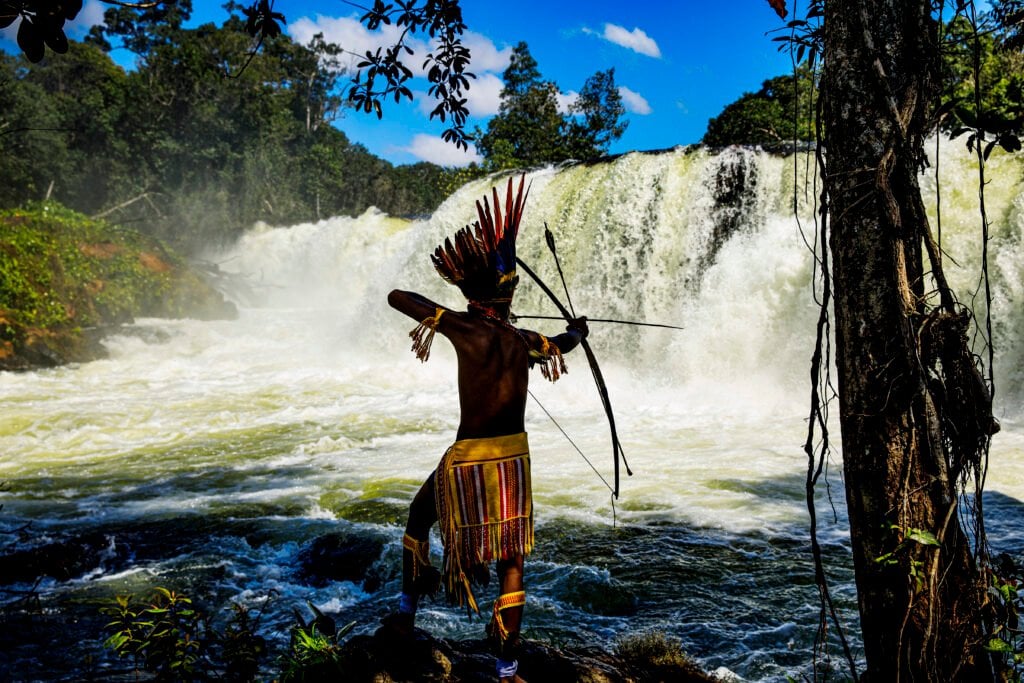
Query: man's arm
(574, 333)
(416, 306)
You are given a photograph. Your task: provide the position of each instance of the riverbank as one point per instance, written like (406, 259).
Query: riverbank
(67, 280)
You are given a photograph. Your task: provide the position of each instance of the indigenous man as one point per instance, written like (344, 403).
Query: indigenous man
(480, 491)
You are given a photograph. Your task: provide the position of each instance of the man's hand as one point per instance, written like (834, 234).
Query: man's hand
(579, 325)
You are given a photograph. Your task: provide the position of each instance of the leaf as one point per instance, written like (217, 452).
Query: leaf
(30, 41)
(999, 645)
(779, 6)
(345, 629)
(271, 28)
(72, 8)
(988, 149)
(922, 536)
(1011, 143)
(7, 16)
(57, 41)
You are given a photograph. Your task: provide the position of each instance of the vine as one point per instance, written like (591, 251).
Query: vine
(958, 399)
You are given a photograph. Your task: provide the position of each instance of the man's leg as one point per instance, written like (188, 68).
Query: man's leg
(418, 577)
(508, 617)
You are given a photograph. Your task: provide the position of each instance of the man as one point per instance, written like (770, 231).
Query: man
(480, 491)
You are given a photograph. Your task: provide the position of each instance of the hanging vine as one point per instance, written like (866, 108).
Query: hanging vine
(958, 397)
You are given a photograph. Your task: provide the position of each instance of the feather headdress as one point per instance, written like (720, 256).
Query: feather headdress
(482, 259)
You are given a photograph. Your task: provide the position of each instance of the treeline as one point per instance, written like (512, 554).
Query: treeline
(782, 110)
(200, 140)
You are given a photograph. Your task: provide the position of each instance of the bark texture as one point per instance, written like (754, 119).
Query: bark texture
(921, 604)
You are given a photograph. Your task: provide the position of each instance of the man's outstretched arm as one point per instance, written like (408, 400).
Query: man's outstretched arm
(575, 332)
(416, 306)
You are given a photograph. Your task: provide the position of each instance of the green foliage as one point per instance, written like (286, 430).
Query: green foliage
(781, 111)
(61, 272)
(600, 106)
(204, 138)
(166, 636)
(982, 51)
(529, 130)
(169, 638)
(654, 649)
(315, 652)
(1006, 601)
(906, 541)
(993, 112)
(242, 649)
(457, 177)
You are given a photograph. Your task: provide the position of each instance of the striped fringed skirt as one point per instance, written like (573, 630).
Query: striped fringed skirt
(484, 506)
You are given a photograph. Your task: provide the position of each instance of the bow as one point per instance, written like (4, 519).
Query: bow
(595, 369)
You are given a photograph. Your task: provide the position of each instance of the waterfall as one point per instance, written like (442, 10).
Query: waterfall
(206, 455)
(705, 240)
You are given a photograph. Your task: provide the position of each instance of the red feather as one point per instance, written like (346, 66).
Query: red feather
(779, 6)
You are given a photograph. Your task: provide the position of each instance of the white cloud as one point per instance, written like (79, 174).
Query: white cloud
(485, 56)
(91, 15)
(634, 101)
(635, 40)
(565, 100)
(482, 99)
(484, 96)
(352, 36)
(435, 150)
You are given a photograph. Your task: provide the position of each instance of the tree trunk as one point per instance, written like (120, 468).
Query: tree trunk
(921, 602)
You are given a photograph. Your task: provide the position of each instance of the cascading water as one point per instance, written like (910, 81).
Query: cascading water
(206, 456)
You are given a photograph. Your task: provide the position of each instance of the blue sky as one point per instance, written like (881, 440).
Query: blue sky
(677, 62)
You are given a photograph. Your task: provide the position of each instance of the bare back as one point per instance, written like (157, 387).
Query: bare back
(494, 365)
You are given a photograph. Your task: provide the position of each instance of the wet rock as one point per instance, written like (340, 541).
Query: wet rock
(338, 557)
(61, 560)
(423, 658)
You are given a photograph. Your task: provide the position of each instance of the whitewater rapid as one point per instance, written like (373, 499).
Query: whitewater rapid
(211, 453)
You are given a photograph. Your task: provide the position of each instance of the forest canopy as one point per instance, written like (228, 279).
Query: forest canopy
(189, 145)
(782, 110)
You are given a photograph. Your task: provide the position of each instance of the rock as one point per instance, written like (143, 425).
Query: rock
(60, 560)
(423, 658)
(338, 557)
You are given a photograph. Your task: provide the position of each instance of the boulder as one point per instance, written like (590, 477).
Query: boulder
(421, 658)
(338, 557)
(61, 560)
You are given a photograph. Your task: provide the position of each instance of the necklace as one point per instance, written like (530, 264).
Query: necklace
(490, 314)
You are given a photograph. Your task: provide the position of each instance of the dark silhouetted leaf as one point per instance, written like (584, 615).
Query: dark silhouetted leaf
(30, 40)
(1011, 143)
(7, 16)
(72, 8)
(57, 41)
(988, 149)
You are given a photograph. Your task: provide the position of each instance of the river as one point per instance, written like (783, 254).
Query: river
(208, 454)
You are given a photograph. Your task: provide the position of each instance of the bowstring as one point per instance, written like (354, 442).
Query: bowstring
(569, 439)
(604, 481)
